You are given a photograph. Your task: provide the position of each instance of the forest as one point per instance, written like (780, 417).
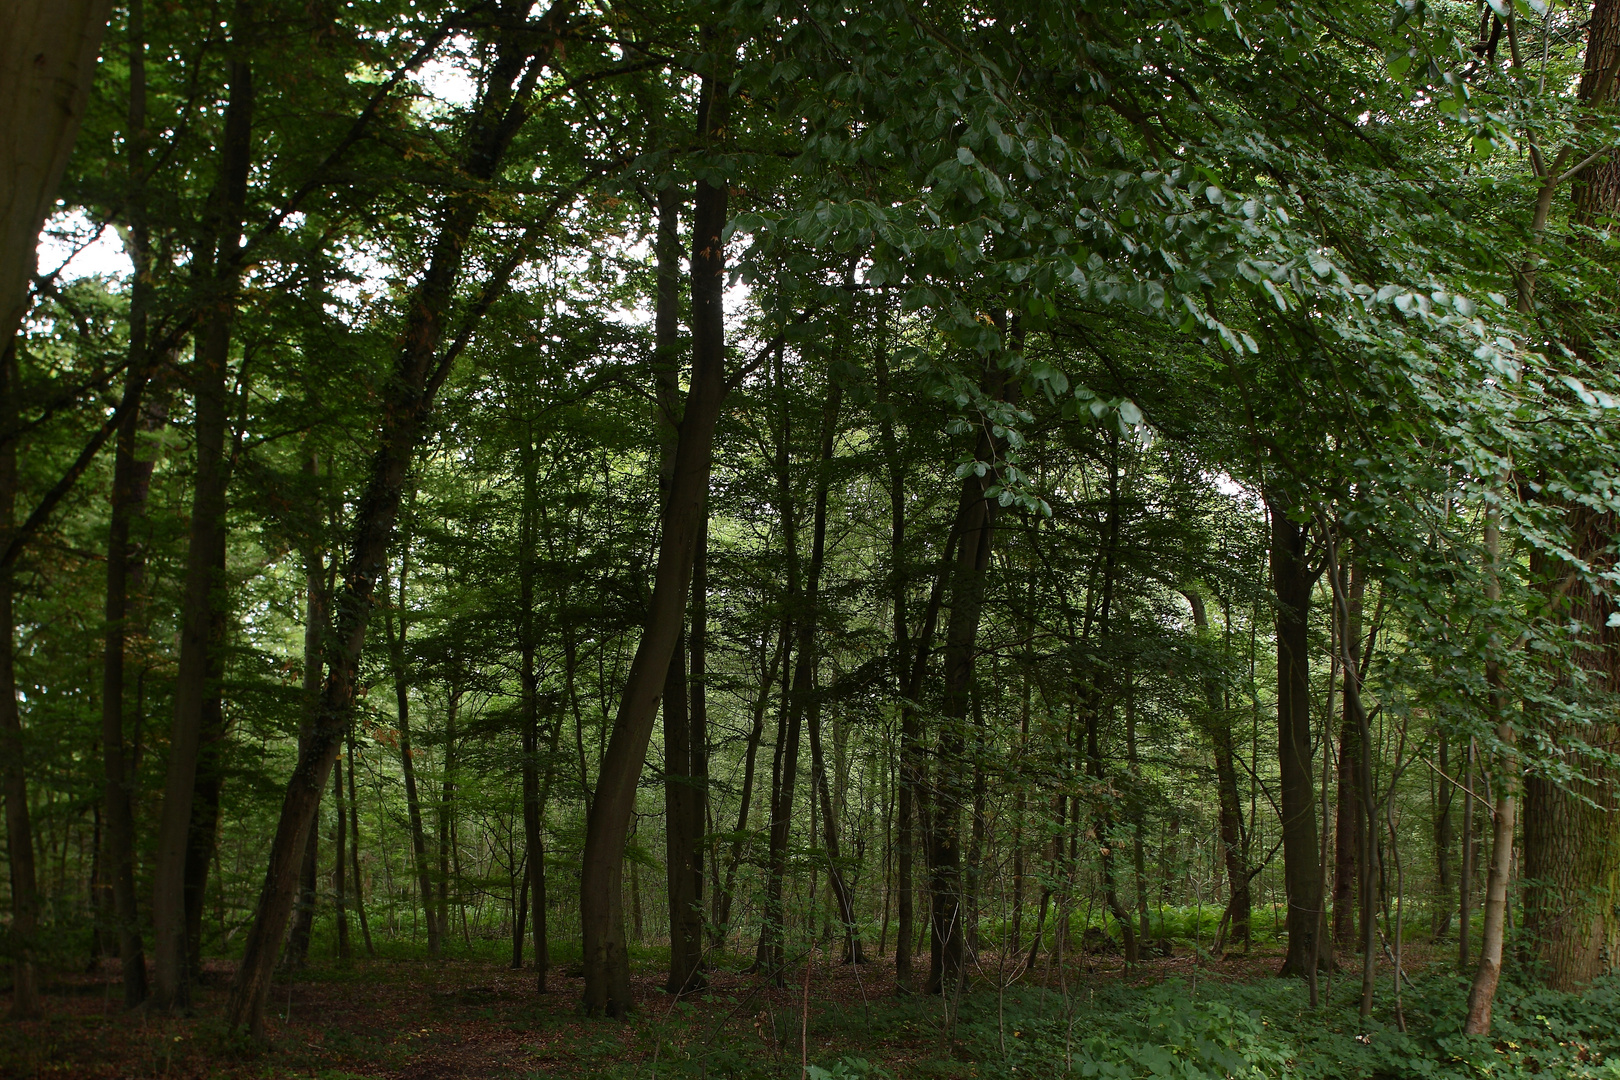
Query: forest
(794, 538)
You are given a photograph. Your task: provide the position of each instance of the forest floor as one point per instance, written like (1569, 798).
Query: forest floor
(475, 1018)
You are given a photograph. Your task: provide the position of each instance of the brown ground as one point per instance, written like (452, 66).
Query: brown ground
(466, 1018)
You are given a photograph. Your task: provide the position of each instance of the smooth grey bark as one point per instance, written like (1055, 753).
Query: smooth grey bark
(47, 63)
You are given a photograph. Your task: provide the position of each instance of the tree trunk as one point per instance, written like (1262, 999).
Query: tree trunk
(1347, 854)
(809, 645)
(785, 763)
(906, 774)
(19, 829)
(354, 853)
(723, 900)
(1572, 828)
(1572, 832)
(218, 253)
(1233, 849)
(408, 401)
(340, 846)
(407, 756)
(1597, 190)
(47, 61)
(1292, 582)
(534, 890)
(1482, 994)
(975, 519)
(684, 816)
(317, 620)
(607, 967)
(131, 483)
(1442, 844)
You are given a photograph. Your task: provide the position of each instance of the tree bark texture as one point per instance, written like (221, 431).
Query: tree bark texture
(1292, 581)
(218, 258)
(19, 828)
(684, 780)
(975, 520)
(1348, 811)
(1571, 863)
(47, 61)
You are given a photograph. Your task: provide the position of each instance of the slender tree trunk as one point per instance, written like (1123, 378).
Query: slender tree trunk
(171, 989)
(607, 968)
(684, 816)
(906, 773)
(419, 371)
(354, 853)
(1482, 995)
(1238, 905)
(809, 645)
(1442, 844)
(317, 619)
(785, 766)
(19, 829)
(340, 838)
(975, 517)
(407, 755)
(1292, 582)
(527, 642)
(131, 482)
(723, 900)
(1347, 854)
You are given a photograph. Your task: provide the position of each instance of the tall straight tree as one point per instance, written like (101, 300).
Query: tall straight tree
(975, 530)
(1292, 580)
(607, 964)
(217, 261)
(519, 51)
(684, 816)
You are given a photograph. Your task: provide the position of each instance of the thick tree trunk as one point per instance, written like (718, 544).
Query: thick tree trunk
(47, 61)
(607, 968)
(1442, 844)
(408, 402)
(1572, 830)
(1292, 582)
(198, 645)
(19, 829)
(1597, 190)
